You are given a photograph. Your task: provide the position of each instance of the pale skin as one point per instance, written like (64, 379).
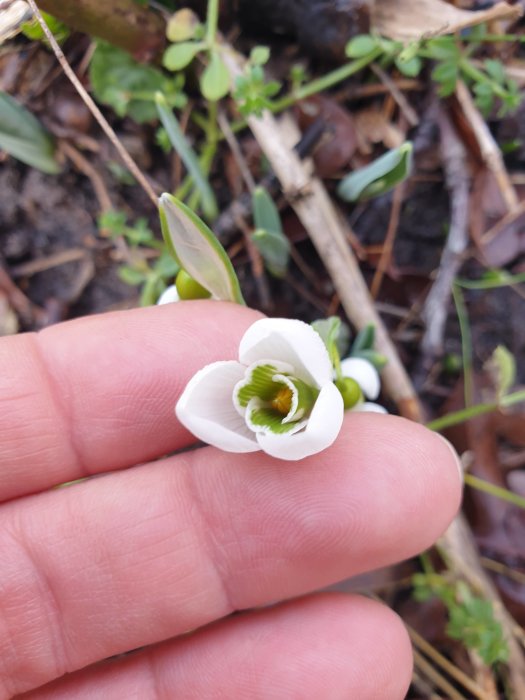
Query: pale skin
(145, 554)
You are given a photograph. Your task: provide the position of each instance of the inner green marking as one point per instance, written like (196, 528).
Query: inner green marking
(270, 419)
(259, 384)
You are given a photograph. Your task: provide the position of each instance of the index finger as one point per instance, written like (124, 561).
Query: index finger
(97, 394)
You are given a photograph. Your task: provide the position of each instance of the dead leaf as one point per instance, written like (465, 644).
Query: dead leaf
(406, 20)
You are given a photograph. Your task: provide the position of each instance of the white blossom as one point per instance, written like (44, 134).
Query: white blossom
(169, 295)
(279, 397)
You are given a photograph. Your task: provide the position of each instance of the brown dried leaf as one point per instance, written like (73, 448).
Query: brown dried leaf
(406, 20)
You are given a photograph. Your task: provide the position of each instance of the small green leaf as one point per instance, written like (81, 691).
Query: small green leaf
(365, 339)
(129, 87)
(379, 177)
(215, 80)
(265, 213)
(197, 250)
(360, 46)
(259, 55)
(190, 160)
(269, 238)
(182, 25)
(502, 367)
(275, 250)
(24, 138)
(179, 56)
(329, 329)
(410, 67)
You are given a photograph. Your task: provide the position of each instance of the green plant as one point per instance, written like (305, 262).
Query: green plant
(454, 59)
(269, 236)
(252, 93)
(139, 272)
(188, 156)
(379, 177)
(129, 87)
(471, 618)
(23, 137)
(32, 29)
(191, 39)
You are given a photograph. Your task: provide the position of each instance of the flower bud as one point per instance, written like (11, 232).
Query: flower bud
(188, 288)
(350, 391)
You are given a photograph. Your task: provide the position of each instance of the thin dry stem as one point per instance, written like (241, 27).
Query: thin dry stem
(453, 671)
(435, 309)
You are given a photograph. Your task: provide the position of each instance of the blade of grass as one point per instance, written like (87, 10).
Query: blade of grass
(188, 156)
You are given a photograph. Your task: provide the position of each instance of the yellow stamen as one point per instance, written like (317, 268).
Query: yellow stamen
(282, 401)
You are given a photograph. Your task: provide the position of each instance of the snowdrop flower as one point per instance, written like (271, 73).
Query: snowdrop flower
(169, 295)
(279, 397)
(367, 377)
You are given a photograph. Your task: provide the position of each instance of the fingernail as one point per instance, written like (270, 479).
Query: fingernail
(456, 456)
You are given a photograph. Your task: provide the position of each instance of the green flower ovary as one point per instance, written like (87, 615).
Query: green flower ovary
(274, 400)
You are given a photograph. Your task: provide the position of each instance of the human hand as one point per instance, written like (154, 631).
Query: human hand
(147, 554)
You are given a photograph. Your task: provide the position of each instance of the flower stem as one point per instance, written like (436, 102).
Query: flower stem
(212, 21)
(325, 81)
(493, 490)
(465, 414)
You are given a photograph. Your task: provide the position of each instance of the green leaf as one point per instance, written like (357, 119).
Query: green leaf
(496, 70)
(444, 48)
(32, 29)
(129, 87)
(215, 80)
(197, 250)
(446, 74)
(410, 67)
(275, 250)
(329, 330)
(379, 177)
(502, 367)
(190, 160)
(24, 138)
(269, 238)
(182, 25)
(365, 339)
(259, 55)
(265, 213)
(360, 46)
(179, 56)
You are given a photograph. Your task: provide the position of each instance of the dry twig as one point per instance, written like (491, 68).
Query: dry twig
(490, 151)
(435, 309)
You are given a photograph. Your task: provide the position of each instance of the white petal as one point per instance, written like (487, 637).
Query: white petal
(323, 427)
(290, 341)
(206, 408)
(364, 373)
(168, 296)
(368, 407)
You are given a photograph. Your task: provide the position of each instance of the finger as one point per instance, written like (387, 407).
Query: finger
(98, 394)
(330, 647)
(143, 555)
